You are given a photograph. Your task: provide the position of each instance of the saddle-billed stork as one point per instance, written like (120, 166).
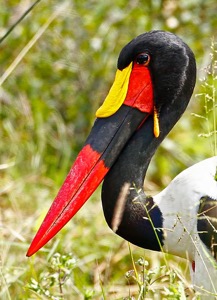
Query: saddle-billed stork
(153, 85)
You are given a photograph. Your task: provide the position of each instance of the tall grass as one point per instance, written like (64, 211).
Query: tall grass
(208, 97)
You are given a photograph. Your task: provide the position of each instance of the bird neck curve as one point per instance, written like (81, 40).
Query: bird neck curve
(128, 211)
(130, 168)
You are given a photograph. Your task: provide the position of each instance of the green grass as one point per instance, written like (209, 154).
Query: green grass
(56, 67)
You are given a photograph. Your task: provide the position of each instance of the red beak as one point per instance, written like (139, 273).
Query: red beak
(105, 142)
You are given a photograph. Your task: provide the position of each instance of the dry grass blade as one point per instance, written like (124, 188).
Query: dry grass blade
(31, 43)
(119, 208)
(19, 20)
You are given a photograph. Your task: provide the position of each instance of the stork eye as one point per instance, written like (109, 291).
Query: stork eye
(143, 59)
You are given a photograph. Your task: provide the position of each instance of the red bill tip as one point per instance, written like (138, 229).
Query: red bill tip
(87, 168)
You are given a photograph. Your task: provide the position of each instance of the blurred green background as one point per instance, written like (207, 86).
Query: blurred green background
(56, 68)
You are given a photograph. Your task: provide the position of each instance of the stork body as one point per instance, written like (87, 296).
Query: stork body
(185, 196)
(153, 85)
(193, 193)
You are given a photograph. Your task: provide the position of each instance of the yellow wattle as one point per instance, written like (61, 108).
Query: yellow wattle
(117, 93)
(156, 124)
